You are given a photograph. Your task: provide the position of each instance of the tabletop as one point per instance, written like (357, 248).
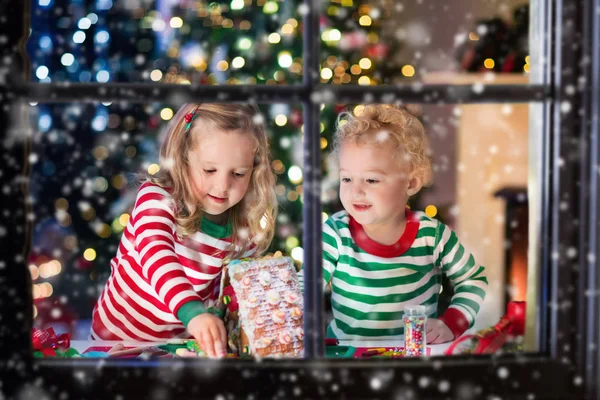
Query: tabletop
(83, 345)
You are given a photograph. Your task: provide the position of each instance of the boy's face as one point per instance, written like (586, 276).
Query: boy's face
(220, 167)
(374, 186)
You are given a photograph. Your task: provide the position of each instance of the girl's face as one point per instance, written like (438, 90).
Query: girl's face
(220, 167)
(374, 188)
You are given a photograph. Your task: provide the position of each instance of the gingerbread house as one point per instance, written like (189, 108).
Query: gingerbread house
(264, 307)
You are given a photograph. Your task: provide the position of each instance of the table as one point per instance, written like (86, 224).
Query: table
(82, 345)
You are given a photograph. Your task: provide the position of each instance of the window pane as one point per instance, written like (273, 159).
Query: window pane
(479, 189)
(168, 41)
(390, 42)
(88, 163)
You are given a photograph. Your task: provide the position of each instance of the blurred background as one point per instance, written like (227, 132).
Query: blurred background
(85, 157)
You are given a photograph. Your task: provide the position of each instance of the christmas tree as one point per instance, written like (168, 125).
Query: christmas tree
(86, 156)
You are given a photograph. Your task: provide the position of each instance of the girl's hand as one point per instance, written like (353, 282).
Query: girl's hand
(437, 331)
(209, 331)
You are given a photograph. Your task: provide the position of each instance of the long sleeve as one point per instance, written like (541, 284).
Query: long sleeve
(154, 231)
(468, 278)
(331, 243)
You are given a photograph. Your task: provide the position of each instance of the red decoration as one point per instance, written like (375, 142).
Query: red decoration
(489, 340)
(47, 339)
(233, 303)
(153, 122)
(188, 117)
(82, 264)
(296, 118)
(378, 51)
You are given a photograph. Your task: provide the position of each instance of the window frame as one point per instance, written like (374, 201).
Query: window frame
(565, 173)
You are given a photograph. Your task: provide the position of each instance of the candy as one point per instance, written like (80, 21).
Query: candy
(291, 297)
(246, 281)
(264, 277)
(414, 331)
(263, 342)
(273, 297)
(285, 337)
(285, 275)
(185, 353)
(279, 316)
(252, 301)
(296, 312)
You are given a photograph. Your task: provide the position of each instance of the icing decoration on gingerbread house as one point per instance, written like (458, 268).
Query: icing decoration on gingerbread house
(265, 306)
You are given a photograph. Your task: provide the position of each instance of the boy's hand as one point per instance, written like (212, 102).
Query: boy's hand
(437, 331)
(209, 331)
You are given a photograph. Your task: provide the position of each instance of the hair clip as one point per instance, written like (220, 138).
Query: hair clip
(189, 117)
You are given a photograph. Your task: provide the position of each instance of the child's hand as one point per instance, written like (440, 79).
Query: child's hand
(209, 331)
(437, 331)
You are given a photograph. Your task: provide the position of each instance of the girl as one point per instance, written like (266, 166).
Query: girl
(378, 255)
(212, 200)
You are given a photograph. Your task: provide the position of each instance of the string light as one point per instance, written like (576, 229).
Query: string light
(176, 22)
(431, 210)
(270, 7)
(274, 38)
(34, 271)
(326, 73)
(238, 62)
(489, 63)
(295, 174)
(124, 219)
(237, 4)
(42, 72)
(364, 81)
(244, 43)
(365, 63)
(67, 59)
(61, 204)
(287, 29)
(156, 75)
(153, 169)
(365, 20)
(79, 37)
(298, 254)
(222, 65)
(166, 113)
(281, 120)
(408, 70)
(284, 59)
(103, 230)
(119, 181)
(291, 242)
(331, 36)
(100, 184)
(89, 254)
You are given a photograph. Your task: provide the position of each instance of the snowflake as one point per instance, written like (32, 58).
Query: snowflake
(503, 372)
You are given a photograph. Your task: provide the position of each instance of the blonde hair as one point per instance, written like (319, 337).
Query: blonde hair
(378, 123)
(253, 218)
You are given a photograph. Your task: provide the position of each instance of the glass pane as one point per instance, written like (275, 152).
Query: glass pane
(167, 41)
(380, 256)
(88, 164)
(391, 42)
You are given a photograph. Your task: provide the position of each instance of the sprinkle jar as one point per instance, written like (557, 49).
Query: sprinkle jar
(414, 331)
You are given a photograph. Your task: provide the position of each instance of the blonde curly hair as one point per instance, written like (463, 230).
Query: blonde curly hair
(380, 123)
(253, 218)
